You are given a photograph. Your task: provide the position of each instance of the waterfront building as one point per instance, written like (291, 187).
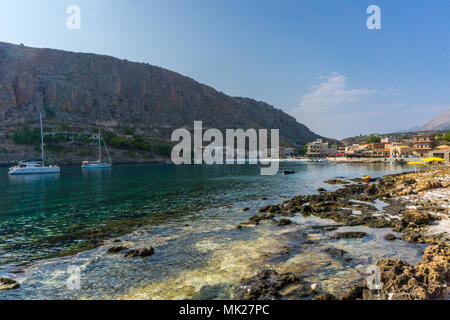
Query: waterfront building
(443, 153)
(423, 143)
(319, 148)
(400, 151)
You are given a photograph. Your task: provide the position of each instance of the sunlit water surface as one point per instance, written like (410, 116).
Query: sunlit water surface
(188, 215)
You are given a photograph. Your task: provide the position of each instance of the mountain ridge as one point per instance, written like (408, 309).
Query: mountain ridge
(441, 122)
(101, 90)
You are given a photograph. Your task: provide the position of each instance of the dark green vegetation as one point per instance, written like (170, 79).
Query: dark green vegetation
(137, 142)
(374, 139)
(26, 136)
(444, 137)
(55, 142)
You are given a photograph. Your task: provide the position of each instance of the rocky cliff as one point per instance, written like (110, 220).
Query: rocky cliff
(98, 90)
(441, 122)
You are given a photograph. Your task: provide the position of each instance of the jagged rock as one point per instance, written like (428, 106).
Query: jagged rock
(355, 292)
(116, 249)
(141, 252)
(338, 254)
(245, 225)
(270, 209)
(372, 189)
(324, 296)
(267, 285)
(390, 237)
(425, 185)
(336, 181)
(416, 217)
(427, 280)
(7, 283)
(283, 222)
(406, 191)
(257, 218)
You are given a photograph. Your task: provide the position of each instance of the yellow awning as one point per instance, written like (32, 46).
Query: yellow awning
(434, 159)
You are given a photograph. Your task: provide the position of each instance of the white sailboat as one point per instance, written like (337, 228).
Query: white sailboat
(98, 164)
(34, 166)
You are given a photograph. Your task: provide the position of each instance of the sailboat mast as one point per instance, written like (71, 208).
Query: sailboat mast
(99, 147)
(42, 140)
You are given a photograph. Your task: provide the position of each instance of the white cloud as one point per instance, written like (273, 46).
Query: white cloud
(332, 93)
(333, 108)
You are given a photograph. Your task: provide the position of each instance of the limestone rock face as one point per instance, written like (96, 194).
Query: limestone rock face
(427, 280)
(91, 89)
(427, 185)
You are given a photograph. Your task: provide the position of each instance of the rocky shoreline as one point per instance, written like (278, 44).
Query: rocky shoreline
(416, 205)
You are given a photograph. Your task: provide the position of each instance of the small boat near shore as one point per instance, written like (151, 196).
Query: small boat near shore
(34, 166)
(98, 164)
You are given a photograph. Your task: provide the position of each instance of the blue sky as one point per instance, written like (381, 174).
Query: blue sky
(314, 59)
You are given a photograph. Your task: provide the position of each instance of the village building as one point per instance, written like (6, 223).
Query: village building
(381, 153)
(400, 152)
(442, 152)
(423, 144)
(319, 148)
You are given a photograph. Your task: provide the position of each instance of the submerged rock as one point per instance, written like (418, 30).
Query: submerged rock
(339, 254)
(350, 235)
(324, 296)
(141, 252)
(355, 292)
(257, 218)
(267, 285)
(7, 283)
(116, 249)
(336, 181)
(390, 237)
(283, 222)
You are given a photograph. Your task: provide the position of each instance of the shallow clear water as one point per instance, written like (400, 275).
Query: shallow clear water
(187, 214)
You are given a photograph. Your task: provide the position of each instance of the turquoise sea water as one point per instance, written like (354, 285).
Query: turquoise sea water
(187, 213)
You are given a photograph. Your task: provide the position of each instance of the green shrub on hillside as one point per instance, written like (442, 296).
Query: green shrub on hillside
(129, 131)
(374, 139)
(26, 136)
(444, 137)
(115, 141)
(162, 149)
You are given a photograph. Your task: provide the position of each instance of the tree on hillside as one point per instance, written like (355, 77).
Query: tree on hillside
(374, 139)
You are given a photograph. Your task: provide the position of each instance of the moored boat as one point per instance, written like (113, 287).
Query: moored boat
(98, 164)
(34, 166)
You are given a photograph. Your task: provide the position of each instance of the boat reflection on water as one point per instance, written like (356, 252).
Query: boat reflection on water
(97, 174)
(33, 178)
